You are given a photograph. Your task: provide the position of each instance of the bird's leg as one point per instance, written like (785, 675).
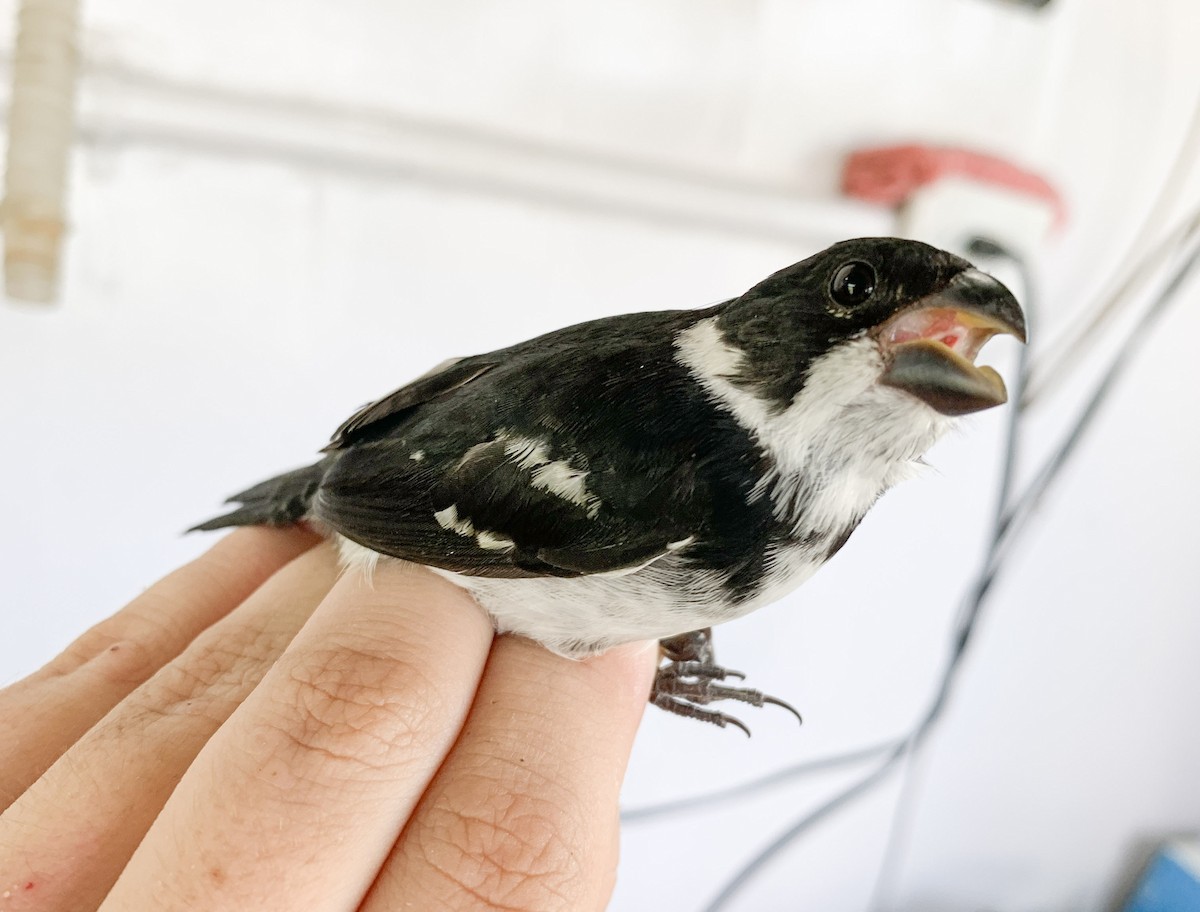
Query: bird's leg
(692, 654)
(686, 682)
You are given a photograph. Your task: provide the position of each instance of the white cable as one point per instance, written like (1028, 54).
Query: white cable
(1145, 257)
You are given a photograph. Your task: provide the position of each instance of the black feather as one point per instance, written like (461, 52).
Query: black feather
(279, 501)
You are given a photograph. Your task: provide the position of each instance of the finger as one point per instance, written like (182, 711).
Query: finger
(523, 813)
(296, 801)
(75, 828)
(51, 709)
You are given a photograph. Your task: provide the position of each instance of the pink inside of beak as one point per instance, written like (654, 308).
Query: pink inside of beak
(942, 324)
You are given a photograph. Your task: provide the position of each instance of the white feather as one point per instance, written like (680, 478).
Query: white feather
(448, 520)
(554, 476)
(356, 558)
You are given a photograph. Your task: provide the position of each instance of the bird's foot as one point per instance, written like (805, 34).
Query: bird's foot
(687, 682)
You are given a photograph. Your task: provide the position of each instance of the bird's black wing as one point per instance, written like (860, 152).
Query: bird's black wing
(503, 508)
(567, 458)
(440, 381)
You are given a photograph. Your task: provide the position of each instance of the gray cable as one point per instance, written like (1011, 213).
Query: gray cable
(1012, 522)
(797, 829)
(795, 771)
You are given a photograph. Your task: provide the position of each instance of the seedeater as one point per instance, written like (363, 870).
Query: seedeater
(653, 474)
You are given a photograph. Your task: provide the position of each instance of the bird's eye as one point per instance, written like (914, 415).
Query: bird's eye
(852, 284)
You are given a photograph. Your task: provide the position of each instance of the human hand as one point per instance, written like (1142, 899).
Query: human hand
(255, 733)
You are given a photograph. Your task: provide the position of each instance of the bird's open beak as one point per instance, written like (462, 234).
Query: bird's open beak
(932, 345)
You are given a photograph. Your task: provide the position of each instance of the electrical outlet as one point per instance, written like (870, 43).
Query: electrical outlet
(952, 210)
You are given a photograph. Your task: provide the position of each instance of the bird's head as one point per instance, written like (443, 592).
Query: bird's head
(918, 317)
(847, 367)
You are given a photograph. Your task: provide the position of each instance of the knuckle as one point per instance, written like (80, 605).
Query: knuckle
(124, 663)
(210, 678)
(505, 846)
(351, 703)
(125, 648)
(89, 644)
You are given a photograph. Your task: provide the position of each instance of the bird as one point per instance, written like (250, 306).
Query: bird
(653, 474)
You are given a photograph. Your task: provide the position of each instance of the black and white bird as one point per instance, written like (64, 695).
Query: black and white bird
(653, 474)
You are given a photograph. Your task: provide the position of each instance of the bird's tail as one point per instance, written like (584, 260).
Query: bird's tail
(278, 501)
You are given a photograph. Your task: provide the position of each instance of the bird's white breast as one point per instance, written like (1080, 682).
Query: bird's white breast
(588, 614)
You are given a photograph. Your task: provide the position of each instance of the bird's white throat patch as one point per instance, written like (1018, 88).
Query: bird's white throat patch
(842, 441)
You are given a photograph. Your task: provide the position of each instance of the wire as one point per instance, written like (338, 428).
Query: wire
(795, 771)
(973, 602)
(1012, 520)
(1018, 516)
(797, 829)
(1074, 343)
(1009, 522)
(1069, 349)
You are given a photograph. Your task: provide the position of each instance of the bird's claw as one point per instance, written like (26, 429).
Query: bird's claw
(692, 711)
(687, 682)
(703, 670)
(775, 701)
(687, 694)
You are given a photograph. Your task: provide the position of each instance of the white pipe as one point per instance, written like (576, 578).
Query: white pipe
(41, 126)
(123, 107)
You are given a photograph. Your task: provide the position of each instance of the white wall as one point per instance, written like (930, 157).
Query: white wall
(229, 300)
